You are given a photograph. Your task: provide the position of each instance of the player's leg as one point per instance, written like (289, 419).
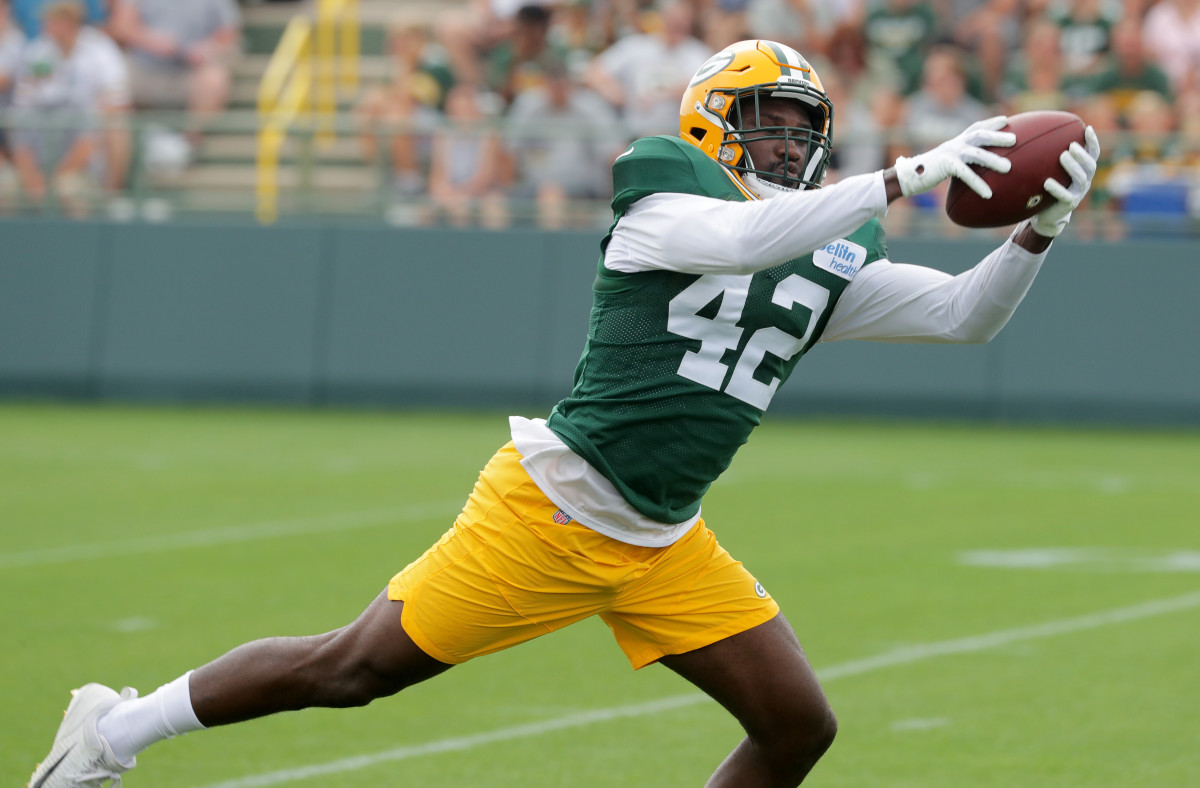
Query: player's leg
(762, 677)
(702, 614)
(452, 604)
(102, 732)
(371, 658)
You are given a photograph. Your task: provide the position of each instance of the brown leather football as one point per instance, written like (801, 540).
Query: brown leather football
(1018, 194)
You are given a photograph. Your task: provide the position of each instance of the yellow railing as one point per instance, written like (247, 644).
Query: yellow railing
(286, 91)
(335, 19)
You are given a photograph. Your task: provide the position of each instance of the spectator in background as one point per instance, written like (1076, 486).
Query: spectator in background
(519, 62)
(1129, 70)
(942, 103)
(560, 138)
(179, 54)
(1086, 36)
(413, 97)
(865, 85)
(898, 34)
(991, 32)
(848, 56)
(116, 137)
(12, 43)
(71, 77)
(724, 22)
(1147, 174)
(471, 32)
(806, 24)
(1188, 105)
(1172, 32)
(630, 17)
(643, 75)
(859, 143)
(1035, 79)
(1099, 216)
(29, 14)
(583, 29)
(466, 177)
(1187, 108)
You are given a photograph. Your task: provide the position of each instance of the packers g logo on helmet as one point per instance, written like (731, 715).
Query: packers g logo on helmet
(711, 66)
(721, 102)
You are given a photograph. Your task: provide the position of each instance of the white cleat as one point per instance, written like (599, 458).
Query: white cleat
(80, 758)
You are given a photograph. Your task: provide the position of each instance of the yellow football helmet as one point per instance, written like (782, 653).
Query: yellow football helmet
(721, 104)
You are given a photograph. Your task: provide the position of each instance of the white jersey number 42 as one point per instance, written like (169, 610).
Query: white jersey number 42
(721, 333)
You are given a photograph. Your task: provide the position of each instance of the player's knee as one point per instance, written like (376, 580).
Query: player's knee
(343, 674)
(360, 682)
(824, 731)
(811, 734)
(795, 745)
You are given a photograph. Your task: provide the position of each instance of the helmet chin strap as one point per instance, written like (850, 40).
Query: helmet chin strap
(764, 189)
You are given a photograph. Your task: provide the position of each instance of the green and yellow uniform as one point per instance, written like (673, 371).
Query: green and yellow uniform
(677, 371)
(678, 367)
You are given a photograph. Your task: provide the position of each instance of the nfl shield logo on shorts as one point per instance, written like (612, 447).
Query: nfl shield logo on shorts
(561, 517)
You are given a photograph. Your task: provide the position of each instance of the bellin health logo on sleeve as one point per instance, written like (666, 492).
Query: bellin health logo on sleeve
(840, 257)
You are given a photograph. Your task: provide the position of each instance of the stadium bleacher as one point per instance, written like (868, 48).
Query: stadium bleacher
(339, 177)
(222, 178)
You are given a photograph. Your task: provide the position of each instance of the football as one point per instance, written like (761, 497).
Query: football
(1018, 194)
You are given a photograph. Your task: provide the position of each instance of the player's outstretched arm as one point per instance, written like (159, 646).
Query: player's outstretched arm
(907, 303)
(953, 158)
(950, 159)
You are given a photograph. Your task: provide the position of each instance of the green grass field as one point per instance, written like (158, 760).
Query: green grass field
(137, 543)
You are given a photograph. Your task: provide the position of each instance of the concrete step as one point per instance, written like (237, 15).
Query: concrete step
(371, 68)
(244, 203)
(370, 12)
(234, 178)
(262, 39)
(243, 148)
(263, 23)
(244, 95)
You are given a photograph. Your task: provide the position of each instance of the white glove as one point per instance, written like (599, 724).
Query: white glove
(921, 173)
(1080, 164)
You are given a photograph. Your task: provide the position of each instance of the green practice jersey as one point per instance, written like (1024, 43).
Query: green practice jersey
(678, 368)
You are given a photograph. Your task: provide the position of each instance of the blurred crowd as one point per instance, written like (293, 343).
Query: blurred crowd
(72, 72)
(501, 111)
(562, 86)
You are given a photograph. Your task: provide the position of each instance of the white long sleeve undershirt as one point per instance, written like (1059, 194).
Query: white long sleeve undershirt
(885, 301)
(892, 302)
(703, 235)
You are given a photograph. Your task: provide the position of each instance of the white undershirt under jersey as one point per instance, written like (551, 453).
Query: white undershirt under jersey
(885, 302)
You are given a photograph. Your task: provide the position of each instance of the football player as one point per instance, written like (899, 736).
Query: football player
(725, 263)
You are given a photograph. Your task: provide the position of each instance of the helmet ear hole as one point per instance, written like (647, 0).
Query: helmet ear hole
(698, 132)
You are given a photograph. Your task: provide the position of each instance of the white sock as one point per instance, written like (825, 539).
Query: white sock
(134, 725)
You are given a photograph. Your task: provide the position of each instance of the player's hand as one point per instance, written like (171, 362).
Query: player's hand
(1080, 164)
(952, 159)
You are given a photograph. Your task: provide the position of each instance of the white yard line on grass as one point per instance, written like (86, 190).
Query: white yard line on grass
(229, 535)
(888, 659)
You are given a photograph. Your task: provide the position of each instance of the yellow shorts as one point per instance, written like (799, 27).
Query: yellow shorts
(508, 572)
